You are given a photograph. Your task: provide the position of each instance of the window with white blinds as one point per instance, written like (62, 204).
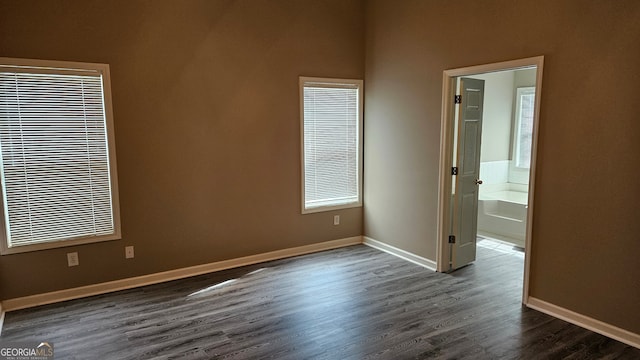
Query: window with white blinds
(57, 162)
(331, 143)
(525, 103)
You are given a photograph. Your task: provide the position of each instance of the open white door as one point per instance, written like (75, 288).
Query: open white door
(465, 210)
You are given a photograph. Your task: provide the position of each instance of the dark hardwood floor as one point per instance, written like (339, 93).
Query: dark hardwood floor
(349, 303)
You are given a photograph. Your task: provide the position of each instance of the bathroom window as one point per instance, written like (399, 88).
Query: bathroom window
(525, 103)
(331, 111)
(58, 161)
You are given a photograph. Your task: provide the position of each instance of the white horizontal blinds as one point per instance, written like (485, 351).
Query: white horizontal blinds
(526, 103)
(330, 144)
(55, 165)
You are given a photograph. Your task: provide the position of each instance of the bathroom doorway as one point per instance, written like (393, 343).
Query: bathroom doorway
(505, 155)
(505, 160)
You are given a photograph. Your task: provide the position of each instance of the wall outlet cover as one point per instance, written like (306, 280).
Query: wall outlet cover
(73, 259)
(128, 252)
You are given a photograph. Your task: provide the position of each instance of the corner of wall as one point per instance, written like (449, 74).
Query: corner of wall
(584, 321)
(1, 317)
(408, 256)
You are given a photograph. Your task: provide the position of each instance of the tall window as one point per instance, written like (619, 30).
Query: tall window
(57, 163)
(525, 103)
(331, 143)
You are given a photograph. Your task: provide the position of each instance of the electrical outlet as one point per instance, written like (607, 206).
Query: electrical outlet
(72, 259)
(336, 219)
(128, 252)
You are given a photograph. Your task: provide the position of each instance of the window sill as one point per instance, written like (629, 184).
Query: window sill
(330, 208)
(57, 244)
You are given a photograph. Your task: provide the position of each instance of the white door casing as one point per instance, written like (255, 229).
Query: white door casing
(447, 140)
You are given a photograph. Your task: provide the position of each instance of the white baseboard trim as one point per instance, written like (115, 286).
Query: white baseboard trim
(586, 322)
(419, 260)
(123, 284)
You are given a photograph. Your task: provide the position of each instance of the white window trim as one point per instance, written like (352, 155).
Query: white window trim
(518, 174)
(338, 83)
(47, 66)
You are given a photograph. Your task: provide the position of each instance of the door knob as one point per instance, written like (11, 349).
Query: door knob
(478, 182)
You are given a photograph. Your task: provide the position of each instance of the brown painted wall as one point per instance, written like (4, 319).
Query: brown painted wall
(206, 110)
(207, 129)
(586, 230)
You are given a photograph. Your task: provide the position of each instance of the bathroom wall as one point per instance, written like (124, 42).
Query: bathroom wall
(496, 127)
(525, 77)
(496, 120)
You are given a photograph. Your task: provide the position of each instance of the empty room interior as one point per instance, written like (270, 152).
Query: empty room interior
(212, 135)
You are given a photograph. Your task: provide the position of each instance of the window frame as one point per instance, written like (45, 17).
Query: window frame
(70, 68)
(333, 83)
(520, 92)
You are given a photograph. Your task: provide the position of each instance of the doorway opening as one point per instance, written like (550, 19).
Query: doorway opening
(487, 180)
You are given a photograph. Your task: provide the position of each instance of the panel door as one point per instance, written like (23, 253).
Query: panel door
(465, 222)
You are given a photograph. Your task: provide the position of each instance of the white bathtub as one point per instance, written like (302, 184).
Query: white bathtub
(502, 215)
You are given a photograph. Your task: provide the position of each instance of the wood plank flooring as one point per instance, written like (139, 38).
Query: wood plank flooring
(349, 303)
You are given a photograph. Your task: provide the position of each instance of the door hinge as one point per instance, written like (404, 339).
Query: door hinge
(458, 99)
(454, 170)
(452, 239)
